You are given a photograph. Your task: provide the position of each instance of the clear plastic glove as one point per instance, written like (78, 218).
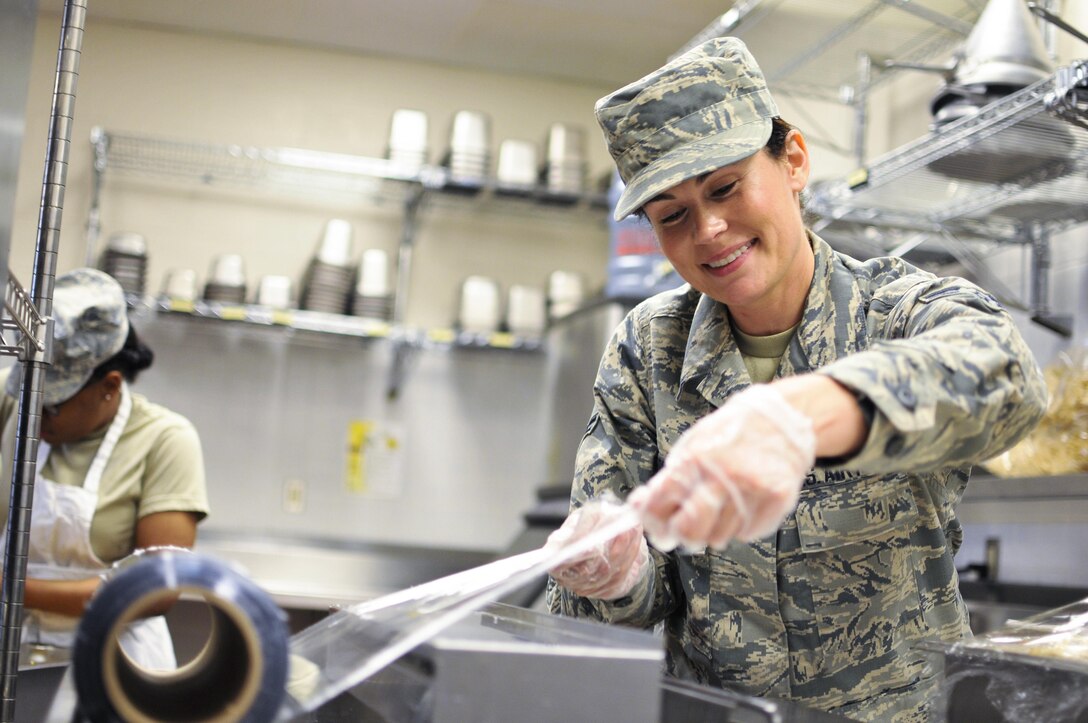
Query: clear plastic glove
(735, 474)
(610, 570)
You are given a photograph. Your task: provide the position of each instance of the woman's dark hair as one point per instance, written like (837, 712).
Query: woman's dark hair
(776, 144)
(134, 357)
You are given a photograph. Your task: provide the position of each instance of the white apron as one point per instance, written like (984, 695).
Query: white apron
(60, 549)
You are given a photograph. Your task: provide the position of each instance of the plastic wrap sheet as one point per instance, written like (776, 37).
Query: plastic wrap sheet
(1030, 671)
(352, 645)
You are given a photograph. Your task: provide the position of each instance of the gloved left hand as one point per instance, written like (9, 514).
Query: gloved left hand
(611, 569)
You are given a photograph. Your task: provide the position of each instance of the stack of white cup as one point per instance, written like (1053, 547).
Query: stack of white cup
(479, 307)
(125, 259)
(373, 299)
(470, 148)
(326, 285)
(525, 310)
(180, 285)
(517, 167)
(274, 292)
(564, 169)
(565, 293)
(226, 280)
(408, 139)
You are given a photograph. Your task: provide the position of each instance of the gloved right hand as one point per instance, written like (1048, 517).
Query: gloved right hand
(735, 474)
(611, 569)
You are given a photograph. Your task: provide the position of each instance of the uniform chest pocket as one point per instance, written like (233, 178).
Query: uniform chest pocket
(862, 570)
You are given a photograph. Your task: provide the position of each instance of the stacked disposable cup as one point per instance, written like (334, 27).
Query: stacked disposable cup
(565, 293)
(226, 280)
(180, 285)
(408, 139)
(564, 169)
(274, 291)
(525, 310)
(516, 172)
(125, 259)
(469, 152)
(479, 311)
(373, 299)
(327, 283)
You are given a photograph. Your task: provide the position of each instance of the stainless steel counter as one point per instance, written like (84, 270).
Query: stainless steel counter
(312, 574)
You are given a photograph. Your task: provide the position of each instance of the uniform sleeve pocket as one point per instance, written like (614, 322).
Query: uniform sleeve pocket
(971, 296)
(828, 519)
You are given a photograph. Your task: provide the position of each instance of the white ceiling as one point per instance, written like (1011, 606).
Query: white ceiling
(805, 46)
(590, 41)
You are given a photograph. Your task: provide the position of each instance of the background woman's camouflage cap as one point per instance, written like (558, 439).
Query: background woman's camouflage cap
(90, 325)
(706, 109)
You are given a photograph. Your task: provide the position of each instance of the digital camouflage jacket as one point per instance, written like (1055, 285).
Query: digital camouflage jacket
(826, 611)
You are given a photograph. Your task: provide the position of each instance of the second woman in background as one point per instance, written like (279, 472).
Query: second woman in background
(116, 472)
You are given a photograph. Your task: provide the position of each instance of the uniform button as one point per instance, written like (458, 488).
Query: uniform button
(906, 397)
(894, 446)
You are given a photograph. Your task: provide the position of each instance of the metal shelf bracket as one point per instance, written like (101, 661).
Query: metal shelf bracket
(36, 332)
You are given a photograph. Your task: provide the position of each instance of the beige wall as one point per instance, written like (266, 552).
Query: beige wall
(228, 90)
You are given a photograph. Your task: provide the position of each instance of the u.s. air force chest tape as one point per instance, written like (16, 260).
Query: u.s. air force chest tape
(238, 675)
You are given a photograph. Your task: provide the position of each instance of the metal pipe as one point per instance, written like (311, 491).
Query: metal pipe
(404, 252)
(1053, 19)
(35, 360)
(1040, 283)
(101, 143)
(861, 106)
(1040, 270)
(722, 25)
(1049, 30)
(939, 19)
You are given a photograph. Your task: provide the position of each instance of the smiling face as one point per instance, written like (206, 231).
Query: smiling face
(736, 235)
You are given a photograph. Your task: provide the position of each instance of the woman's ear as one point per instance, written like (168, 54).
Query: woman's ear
(797, 160)
(112, 382)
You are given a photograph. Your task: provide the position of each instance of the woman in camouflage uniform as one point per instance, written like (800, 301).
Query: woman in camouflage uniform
(803, 422)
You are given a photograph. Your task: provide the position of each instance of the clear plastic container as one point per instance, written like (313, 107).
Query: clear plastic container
(1030, 671)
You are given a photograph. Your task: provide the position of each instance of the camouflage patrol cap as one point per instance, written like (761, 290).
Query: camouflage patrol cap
(703, 110)
(90, 323)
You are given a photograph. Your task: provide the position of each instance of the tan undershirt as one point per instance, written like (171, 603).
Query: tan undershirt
(763, 354)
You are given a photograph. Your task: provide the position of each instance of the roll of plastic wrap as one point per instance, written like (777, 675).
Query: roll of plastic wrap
(239, 674)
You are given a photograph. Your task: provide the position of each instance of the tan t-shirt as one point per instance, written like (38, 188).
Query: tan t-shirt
(762, 354)
(157, 466)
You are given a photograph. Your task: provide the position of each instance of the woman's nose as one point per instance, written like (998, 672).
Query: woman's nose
(709, 224)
